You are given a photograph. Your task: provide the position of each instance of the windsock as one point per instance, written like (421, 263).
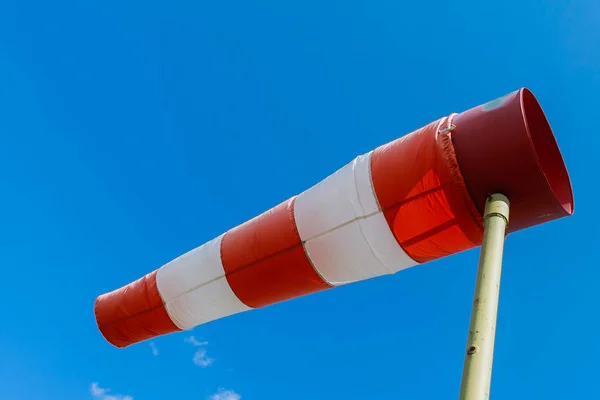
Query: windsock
(408, 202)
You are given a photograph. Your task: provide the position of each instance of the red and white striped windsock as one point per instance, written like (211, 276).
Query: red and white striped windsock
(416, 199)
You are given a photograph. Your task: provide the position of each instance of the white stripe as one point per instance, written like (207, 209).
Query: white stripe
(346, 235)
(194, 288)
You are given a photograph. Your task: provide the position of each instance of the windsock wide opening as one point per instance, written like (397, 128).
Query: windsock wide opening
(507, 146)
(548, 153)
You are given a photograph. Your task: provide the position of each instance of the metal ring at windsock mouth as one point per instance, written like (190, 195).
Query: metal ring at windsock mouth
(507, 146)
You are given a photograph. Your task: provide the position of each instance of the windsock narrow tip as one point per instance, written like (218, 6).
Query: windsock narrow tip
(133, 313)
(507, 146)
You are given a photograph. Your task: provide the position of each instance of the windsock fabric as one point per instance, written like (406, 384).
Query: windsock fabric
(400, 205)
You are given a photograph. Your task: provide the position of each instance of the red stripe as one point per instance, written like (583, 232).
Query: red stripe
(419, 186)
(265, 261)
(133, 313)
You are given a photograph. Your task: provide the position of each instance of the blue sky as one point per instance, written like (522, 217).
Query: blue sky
(131, 132)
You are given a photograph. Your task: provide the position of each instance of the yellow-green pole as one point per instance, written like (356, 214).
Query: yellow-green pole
(477, 372)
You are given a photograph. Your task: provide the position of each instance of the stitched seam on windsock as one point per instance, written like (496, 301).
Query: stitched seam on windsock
(444, 138)
(439, 124)
(164, 303)
(372, 193)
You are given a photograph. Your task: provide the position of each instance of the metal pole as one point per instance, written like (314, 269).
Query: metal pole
(477, 372)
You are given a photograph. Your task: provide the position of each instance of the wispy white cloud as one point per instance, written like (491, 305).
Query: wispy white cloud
(200, 357)
(103, 393)
(96, 390)
(223, 394)
(154, 349)
(195, 342)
